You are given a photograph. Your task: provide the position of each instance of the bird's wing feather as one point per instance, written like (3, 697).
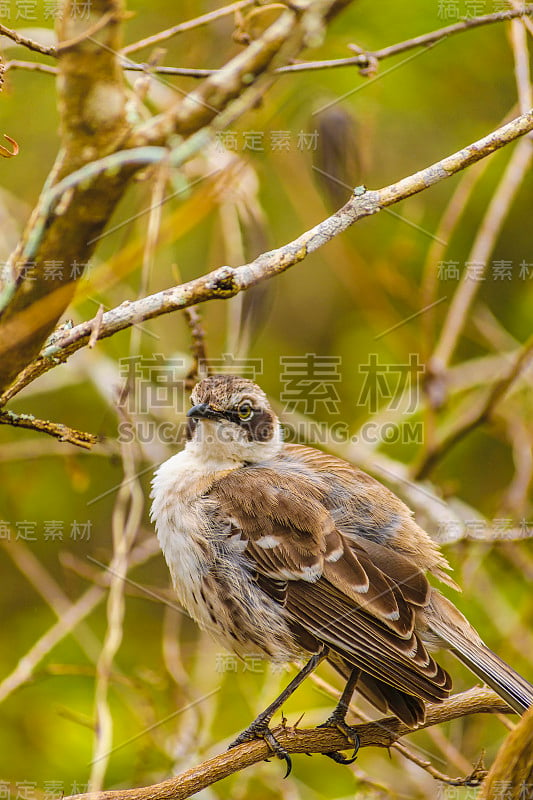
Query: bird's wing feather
(363, 642)
(335, 590)
(363, 507)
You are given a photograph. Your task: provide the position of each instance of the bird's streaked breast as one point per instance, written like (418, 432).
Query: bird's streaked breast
(209, 570)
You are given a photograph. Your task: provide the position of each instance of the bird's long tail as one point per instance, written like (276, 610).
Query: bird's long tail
(460, 637)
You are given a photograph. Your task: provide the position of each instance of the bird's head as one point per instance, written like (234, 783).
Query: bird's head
(231, 419)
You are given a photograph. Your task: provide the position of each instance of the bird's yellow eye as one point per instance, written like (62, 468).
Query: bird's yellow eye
(245, 411)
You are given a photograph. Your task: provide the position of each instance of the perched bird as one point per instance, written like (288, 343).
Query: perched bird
(286, 551)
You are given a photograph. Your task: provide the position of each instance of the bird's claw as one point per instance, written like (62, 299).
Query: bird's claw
(278, 750)
(350, 733)
(260, 730)
(340, 759)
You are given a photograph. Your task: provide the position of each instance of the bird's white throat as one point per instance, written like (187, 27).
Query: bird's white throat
(221, 445)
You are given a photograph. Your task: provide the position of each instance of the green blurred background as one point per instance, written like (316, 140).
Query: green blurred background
(419, 107)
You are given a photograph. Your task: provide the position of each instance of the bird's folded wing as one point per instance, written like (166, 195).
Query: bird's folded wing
(362, 507)
(366, 643)
(334, 590)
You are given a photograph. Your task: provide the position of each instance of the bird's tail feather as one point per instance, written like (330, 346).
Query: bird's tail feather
(459, 637)
(505, 681)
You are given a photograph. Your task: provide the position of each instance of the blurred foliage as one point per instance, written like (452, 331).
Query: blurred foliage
(339, 302)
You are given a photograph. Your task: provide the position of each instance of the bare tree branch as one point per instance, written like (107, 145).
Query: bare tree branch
(227, 281)
(382, 733)
(197, 22)
(30, 66)
(278, 44)
(30, 44)
(473, 776)
(366, 61)
(94, 124)
(56, 429)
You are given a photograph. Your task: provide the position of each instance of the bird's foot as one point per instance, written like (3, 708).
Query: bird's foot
(259, 730)
(336, 720)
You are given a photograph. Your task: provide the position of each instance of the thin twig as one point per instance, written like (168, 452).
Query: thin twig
(528, 25)
(521, 65)
(362, 60)
(26, 42)
(367, 59)
(458, 27)
(405, 750)
(189, 25)
(199, 353)
(32, 66)
(100, 23)
(56, 429)
(55, 50)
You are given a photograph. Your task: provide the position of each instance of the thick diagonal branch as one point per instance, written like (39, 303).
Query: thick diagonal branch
(227, 281)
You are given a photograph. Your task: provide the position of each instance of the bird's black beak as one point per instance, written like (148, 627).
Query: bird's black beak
(203, 411)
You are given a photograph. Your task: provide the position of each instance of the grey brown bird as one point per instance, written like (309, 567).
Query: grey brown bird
(286, 551)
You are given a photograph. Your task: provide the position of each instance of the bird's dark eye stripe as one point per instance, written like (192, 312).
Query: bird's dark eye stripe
(233, 416)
